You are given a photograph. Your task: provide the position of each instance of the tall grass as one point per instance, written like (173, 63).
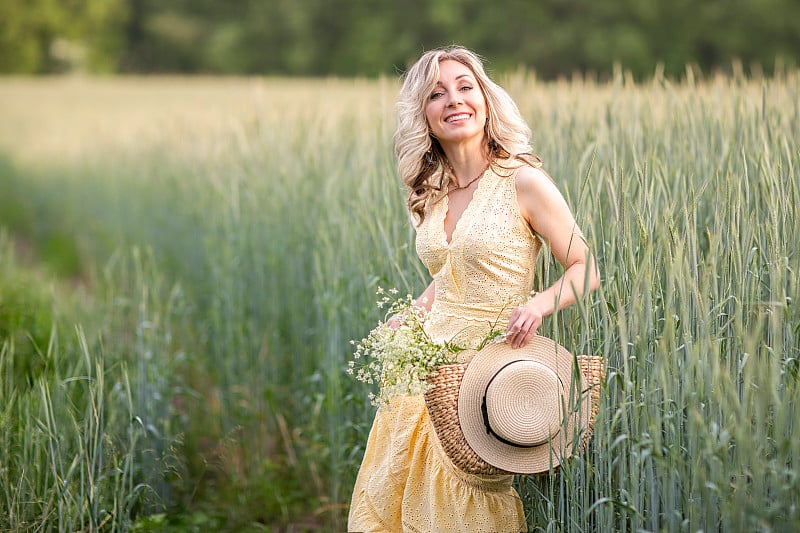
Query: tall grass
(84, 436)
(271, 212)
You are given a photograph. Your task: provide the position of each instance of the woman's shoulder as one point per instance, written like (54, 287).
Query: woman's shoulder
(536, 190)
(529, 176)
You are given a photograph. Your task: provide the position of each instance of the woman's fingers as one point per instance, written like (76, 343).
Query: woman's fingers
(522, 326)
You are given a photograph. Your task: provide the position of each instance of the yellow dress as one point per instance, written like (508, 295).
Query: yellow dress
(406, 482)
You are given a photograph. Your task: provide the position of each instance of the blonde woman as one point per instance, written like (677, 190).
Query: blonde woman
(482, 206)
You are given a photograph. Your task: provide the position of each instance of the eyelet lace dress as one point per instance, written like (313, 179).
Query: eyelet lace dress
(406, 482)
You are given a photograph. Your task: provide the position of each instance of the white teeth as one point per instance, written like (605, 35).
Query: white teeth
(462, 116)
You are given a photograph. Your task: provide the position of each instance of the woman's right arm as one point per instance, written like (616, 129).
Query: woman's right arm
(425, 299)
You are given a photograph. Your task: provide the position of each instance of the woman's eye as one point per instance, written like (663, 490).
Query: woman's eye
(436, 95)
(466, 88)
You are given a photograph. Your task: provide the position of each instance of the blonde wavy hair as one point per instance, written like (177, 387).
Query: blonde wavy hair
(421, 161)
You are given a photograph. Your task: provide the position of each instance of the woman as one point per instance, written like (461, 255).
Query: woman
(482, 205)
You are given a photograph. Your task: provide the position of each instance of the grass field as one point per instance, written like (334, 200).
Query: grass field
(184, 261)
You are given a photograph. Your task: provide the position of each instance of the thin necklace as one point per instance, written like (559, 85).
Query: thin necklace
(473, 180)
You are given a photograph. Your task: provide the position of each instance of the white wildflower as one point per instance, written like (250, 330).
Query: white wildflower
(399, 360)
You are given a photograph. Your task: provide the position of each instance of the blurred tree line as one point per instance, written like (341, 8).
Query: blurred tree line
(370, 37)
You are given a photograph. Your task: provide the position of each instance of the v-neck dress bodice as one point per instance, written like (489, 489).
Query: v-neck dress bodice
(406, 481)
(487, 267)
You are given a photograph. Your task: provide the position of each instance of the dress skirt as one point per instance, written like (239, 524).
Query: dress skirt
(407, 483)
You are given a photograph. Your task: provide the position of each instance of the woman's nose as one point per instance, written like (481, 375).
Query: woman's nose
(454, 98)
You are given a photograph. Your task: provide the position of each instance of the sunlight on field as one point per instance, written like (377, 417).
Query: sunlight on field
(234, 231)
(75, 117)
(78, 117)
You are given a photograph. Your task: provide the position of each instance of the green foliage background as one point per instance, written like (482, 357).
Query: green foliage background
(347, 37)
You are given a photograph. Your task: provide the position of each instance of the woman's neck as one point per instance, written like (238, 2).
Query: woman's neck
(466, 161)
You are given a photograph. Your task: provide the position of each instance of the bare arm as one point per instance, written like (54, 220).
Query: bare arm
(425, 299)
(544, 208)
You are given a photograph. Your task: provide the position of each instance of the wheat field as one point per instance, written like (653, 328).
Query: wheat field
(204, 249)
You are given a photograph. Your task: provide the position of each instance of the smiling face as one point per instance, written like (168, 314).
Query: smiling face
(456, 108)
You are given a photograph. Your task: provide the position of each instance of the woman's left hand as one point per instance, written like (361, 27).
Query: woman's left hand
(523, 323)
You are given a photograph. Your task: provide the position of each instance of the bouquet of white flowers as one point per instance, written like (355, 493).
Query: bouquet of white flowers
(398, 354)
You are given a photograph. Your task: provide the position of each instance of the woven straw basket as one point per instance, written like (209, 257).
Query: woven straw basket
(442, 403)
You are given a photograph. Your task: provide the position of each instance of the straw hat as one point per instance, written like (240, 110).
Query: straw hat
(514, 410)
